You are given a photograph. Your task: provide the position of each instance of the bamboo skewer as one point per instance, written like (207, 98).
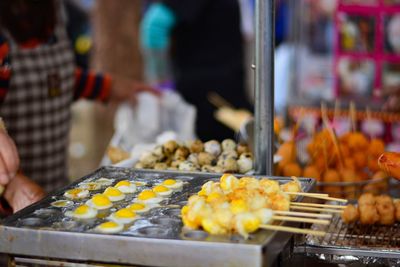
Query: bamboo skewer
(315, 209)
(353, 116)
(292, 230)
(307, 194)
(303, 214)
(300, 219)
(317, 205)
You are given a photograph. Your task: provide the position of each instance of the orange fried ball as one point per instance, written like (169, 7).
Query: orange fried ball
(360, 159)
(357, 141)
(311, 171)
(386, 210)
(350, 214)
(366, 199)
(292, 169)
(368, 214)
(376, 147)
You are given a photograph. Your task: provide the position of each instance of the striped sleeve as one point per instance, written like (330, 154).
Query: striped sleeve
(92, 86)
(5, 68)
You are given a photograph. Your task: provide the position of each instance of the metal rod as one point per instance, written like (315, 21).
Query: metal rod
(264, 89)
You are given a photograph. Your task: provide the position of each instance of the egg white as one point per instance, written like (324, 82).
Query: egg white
(105, 181)
(91, 213)
(62, 203)
(83, 194)
(164, 194)
(177, 185)
(146, 208)
(113, 217)
(91, 186)
(114, 230)
(115, 198)
(91, 204)
(127, 189)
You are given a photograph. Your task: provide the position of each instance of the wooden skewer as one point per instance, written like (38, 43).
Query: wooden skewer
(307, 194)
(317, 205)
(218, 100)
(353, 116)
(300, 219)
(315, 209)
(292, 230)
(303, 214)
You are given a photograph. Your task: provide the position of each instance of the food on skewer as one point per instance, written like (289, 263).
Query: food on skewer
(241, 206)
(389, 162)
(373, 210)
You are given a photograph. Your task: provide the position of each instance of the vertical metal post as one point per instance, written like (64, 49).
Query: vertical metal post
(264, 90)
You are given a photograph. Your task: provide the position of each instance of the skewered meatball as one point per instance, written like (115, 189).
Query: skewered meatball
(397, 212)
(212, 147)
(350, 214)
(366, 199)
(196, 146)
(205, 158)
(228, 145)
(368, 214)
(170, 147)
(386, 209)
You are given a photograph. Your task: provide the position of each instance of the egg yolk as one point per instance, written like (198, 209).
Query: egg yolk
(125, 213)
(101, 200)
(136, 206)
(112, 192)
(123, 183)
(214, 196)
(238, 206)
(169, 182)
(81, 210)
(160, 189)
(251, 224)
(74, 192)
(108, 225)
(146, 194)
(91, 186)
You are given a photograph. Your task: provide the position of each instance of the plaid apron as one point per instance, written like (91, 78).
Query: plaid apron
(36, 109)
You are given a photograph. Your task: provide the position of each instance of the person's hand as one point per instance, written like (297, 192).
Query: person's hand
(127, 90)
(9, 159)
(22, 192)
(392, 95)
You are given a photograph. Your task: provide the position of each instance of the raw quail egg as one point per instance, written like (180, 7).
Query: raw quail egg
(76, 193)
(126, 187)
(148, 196)
(212, 147)
(228, 145)
(105, 181)
(123, 216)
(140, 207)
(173, 184)
(82, 212)
(114, 194)
(162, 190)
(99, 202)
(91, 186)
(62, 203)
(245, 163)
(109, 228)
(187, 166)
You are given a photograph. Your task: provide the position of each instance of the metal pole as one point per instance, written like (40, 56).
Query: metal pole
(264, 90)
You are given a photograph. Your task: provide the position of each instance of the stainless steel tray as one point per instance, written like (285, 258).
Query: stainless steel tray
(157, 239)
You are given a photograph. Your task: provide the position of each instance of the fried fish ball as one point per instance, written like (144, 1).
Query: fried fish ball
(397, 212)
(311, 171)
(292, 169)
(350, 214)
(360, 159)
(386, 209)
(368, 214)
(196, 146)
(366, 199)
(376, 147)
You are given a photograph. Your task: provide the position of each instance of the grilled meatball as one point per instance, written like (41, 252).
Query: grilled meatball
(350, 214)
(386, 209)
(366, 199)
(368, 214)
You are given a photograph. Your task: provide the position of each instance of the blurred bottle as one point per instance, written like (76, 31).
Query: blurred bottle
(158, 70)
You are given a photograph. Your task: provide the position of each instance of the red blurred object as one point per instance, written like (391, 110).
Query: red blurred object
(389, 162)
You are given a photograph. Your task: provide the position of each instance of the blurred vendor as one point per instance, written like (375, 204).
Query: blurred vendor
(207, 54)
(38, 84)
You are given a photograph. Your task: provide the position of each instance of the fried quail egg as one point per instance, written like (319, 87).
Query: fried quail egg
(82, 212)
(140, 207)
(99, 202)
(126, 187)
(76, 193)
(109, 228)
(148, 196)
(265, 215)
(114, 194)
(162, 190)
(246, 223)
(91, 186)
(173, 184)
(228, 183)
(105, 181)
(62, 203)
(123, 216)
